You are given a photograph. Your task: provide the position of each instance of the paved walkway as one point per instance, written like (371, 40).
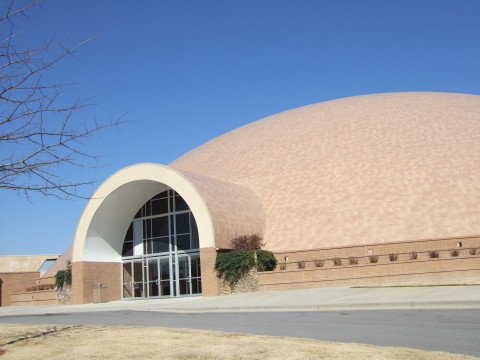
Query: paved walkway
(333, 298)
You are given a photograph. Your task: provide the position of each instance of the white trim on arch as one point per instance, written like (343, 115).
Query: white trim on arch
(106, 217)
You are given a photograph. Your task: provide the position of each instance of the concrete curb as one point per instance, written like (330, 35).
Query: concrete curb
(292, 308)
(330, 307)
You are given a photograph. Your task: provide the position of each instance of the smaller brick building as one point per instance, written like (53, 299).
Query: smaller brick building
(19, 273)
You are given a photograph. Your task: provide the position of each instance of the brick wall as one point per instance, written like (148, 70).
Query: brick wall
(15, 282)
(96, 282)
(439, 261)
(40, 297)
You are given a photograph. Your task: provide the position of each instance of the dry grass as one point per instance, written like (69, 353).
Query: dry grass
(102, 342)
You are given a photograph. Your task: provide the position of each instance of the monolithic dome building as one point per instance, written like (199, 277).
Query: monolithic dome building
(370, 189)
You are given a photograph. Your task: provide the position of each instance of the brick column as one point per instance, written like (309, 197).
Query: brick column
(210, 282)
(96, 282)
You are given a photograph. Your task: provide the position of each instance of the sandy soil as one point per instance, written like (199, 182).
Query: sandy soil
(102, 342)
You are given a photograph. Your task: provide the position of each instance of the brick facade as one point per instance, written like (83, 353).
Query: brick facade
(439, 261)
(96, 282)
(15, 282)
(435, 261)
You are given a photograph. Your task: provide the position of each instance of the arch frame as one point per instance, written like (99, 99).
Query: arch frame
(106, 217)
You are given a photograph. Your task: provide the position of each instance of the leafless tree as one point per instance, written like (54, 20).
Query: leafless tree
(40, 136)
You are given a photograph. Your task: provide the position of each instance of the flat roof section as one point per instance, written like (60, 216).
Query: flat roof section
(24, 263)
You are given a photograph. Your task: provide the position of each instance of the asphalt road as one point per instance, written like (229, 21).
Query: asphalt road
(456, 331)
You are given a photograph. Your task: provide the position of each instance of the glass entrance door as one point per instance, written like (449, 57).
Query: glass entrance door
(127, 279)
(132, 278)
(189, 276)
(138, 283)
(161, 277)
(153, 288)
(161, 255)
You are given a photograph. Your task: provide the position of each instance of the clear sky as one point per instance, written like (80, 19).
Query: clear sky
(187, 71)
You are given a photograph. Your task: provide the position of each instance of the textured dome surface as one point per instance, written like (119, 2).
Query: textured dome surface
(367, 169)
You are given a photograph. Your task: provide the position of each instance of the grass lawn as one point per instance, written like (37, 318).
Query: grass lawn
(122, 342)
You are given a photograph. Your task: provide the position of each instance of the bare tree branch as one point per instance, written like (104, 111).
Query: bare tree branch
(39, 135)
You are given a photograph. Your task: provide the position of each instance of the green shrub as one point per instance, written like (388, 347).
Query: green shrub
(233, 265)
(266, 261)
(63, 277)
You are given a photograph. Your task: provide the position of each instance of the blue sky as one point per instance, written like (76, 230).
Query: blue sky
(184, 72)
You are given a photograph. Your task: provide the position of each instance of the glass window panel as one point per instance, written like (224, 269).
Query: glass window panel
(153, 270)
(195, 266)
(129, 235)
(184, 287)
(165, 288)
(196, 286)
(159, 226)
(161, 195)
(183, 267)
(137, 271)
(182, 223)
(147, 246)
(127, 290)
(139, 213)
(153, 289)
(159, 206)
(195, 241)
(127, 249)
(127, 272)
(138, 289)
(180, 204)
(161, 245)
(164, 269)
(148, 208)
(183, 242)
(147, 229)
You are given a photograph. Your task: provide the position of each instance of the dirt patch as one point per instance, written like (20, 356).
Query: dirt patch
(102, 342)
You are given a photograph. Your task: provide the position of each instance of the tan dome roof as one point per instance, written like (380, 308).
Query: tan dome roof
(366, 169)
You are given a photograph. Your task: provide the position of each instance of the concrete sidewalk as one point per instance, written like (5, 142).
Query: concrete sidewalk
(327, 298)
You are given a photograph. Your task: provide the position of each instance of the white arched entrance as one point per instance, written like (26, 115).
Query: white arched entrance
(102, 229)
